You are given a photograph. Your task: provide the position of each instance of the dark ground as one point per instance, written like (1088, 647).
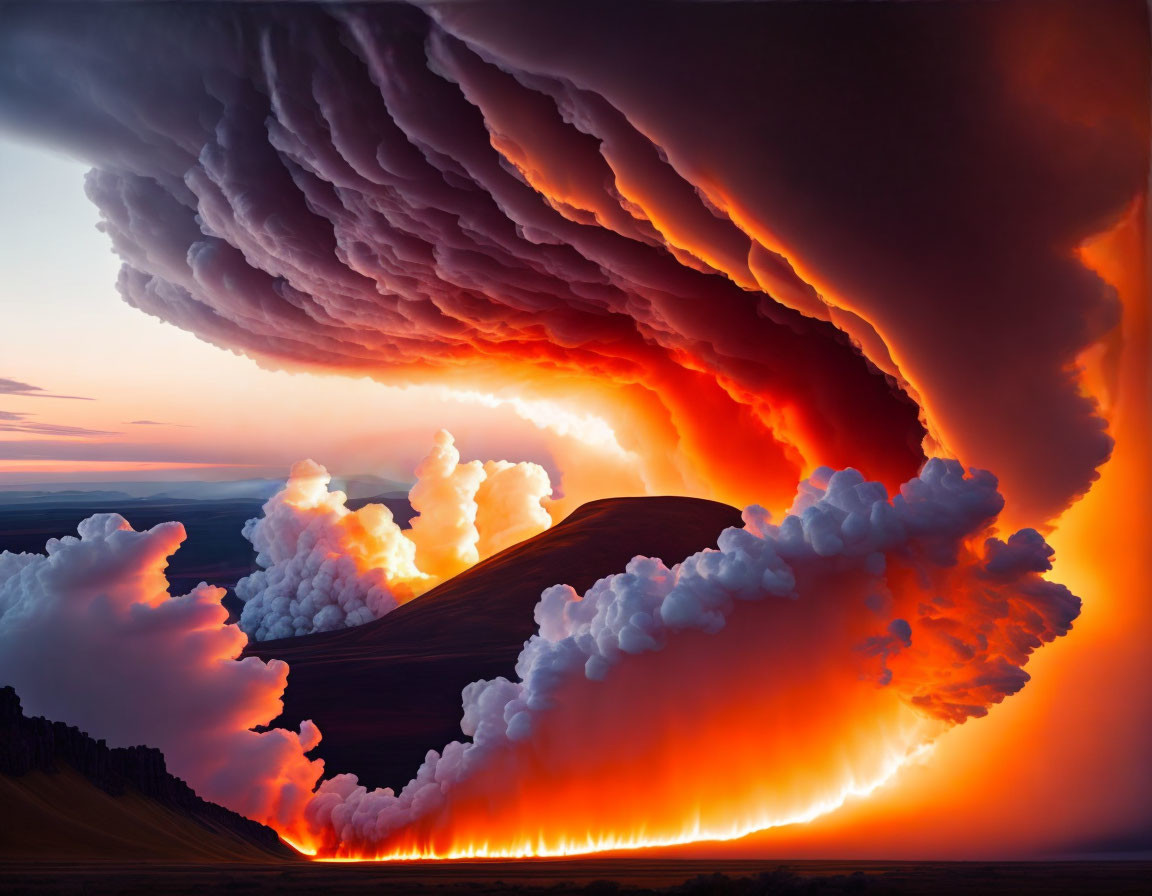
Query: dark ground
(601, 876)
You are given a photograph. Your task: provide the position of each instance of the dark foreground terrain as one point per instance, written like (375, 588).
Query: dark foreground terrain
(385, 693)
(65, 796)
(633, 876)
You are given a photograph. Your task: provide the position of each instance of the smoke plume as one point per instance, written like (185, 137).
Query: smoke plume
(752, 685)
(798, 663)
(326, 567)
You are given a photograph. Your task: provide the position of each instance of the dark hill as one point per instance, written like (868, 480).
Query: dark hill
(385, 693)
(65, 796)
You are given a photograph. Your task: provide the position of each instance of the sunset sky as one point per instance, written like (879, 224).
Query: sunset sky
(217, 413)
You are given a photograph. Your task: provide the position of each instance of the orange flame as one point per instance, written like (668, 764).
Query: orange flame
(692, 831)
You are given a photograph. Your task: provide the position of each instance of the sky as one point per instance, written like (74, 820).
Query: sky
(214, 414)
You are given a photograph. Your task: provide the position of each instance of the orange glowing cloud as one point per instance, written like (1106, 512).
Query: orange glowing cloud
(325, 567)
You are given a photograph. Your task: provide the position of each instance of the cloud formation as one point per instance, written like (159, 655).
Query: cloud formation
(330, 189)
(746, 274)
(11, 421)
(723, 275)
(18, 388)
(752, 685)
(326, 567)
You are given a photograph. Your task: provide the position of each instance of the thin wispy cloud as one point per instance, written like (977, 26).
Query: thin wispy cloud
(26, 390)
(153, 423)
(11, 421)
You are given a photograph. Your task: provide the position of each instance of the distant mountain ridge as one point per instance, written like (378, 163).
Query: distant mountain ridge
(215, 551)
(84, 494)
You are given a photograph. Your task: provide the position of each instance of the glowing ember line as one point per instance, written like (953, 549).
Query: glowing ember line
(614, 842)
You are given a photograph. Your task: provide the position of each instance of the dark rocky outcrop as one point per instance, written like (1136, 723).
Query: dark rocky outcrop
(35, 745)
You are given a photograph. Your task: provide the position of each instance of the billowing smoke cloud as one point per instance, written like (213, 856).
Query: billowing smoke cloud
(508, 505)
(90, 635)
(445, 532)
(737, 689)
(326, 567)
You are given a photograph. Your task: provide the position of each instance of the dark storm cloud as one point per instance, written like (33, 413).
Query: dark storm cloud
(313, 189)
(651, 195)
